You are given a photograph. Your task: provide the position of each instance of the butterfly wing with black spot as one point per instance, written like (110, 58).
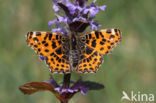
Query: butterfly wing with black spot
(103, 41)
(54, 47)
(94, 45)
(90, 61)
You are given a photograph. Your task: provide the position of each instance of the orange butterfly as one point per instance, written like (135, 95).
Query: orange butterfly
(77, 53)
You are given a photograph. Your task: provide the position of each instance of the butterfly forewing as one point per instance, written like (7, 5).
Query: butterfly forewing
(50, 45)
(103, 41)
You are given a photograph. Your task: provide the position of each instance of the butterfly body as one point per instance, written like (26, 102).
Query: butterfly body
(75, 53)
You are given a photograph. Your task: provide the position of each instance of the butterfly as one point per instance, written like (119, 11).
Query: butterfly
(75, 53)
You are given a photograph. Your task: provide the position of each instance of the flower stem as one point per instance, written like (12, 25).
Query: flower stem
(66, 81)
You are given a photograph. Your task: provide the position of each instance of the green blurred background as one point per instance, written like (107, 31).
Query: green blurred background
(130, 67)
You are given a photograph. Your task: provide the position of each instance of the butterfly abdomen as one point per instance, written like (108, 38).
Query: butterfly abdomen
(74, 55)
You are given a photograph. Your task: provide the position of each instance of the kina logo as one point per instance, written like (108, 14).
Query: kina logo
(138, 97)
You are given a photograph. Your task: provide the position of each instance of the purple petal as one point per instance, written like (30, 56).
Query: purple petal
(57, 24)
(70, 91)
(79, 8)
(73, 90)
(60, 30)
(86, 11)
(102, 7)
(79, 85)
(51, 22)
(79, 17)
(41, 58)
(56, 8)
(62, 19)
(84, 90)
(63, 30)
(63, 1)
(94, 25)
(71, 7)
(64, 91)
(93, 11)
(56, 30)
(99, 25)
(57, 89)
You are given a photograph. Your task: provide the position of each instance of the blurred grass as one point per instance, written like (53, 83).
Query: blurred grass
(131, 66)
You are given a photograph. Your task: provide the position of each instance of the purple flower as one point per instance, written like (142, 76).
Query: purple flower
(77, 13)
(63, 93)
(77, 17)
(79, 86)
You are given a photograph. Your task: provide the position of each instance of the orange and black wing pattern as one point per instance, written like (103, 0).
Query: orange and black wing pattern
(97, 43)
(50, 45)
(103, 41)
(90, 60)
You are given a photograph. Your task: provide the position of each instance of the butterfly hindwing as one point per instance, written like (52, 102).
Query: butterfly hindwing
(90, 62)
(50, 45)
(57, 62)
